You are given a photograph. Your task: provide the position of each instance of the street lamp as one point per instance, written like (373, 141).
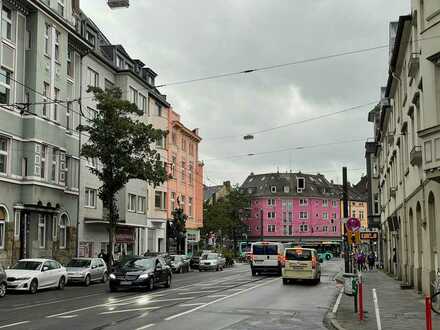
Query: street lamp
(114, 4)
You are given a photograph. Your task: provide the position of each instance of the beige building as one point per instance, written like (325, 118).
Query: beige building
(404, 159)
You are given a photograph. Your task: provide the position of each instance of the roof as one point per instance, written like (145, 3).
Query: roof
(208, 191)
(316, 185)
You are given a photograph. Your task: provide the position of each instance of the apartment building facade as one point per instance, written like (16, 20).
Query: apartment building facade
(293, 207)
(404, 159)
(185, 186)
(39, 151)
(142, 208)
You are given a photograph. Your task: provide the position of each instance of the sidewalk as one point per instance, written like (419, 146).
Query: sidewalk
(399, 309)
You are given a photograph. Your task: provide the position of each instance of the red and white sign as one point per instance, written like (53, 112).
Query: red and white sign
(353, 224)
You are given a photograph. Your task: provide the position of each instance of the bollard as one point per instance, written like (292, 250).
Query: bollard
(428, 313)
(361, 302)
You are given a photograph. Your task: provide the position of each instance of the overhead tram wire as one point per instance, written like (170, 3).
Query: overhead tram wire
(326, 115)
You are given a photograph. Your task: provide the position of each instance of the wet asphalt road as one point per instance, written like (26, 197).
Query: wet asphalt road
(231, 299)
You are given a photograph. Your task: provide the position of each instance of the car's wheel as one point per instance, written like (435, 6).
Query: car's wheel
(2, 290)
(104, 278)
(87, 280)
(285, 281)
(328, 257)
(217, 269)
(33, 287)
(62, 283)
(151, 284)
(168, 282)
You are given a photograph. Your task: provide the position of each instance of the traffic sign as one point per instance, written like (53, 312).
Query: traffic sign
(353, 224)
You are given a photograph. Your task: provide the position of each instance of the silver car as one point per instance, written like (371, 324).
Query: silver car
(212, 261)
(87, 270)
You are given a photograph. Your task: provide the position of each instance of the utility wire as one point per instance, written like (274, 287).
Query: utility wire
(281, 65)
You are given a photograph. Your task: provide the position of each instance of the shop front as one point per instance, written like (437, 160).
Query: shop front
(192, 241)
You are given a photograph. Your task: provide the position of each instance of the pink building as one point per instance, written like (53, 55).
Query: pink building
(293, 207)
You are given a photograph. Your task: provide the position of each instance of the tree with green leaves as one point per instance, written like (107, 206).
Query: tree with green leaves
(122, 143)
(225, 217)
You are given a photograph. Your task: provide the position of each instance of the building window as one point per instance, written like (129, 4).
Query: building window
(334, 215)
(63, 231)
(361, 215)
(4, 155)
(46, 39)
(131, 203)
(141, 204)
(53, 176)
(174, 138)
(173, 201)
(183, 144)
(335, 203)
(119, 62)
(5, 86)
(55, 106)
(160, 200)
(108, 85)
(142, 103)
(271, 228)
(353, 214)
(173, 166)
(91, 38)
(158, 109)
(70, 64)
(190, 173)
(17, 220)
(325, 203)
(303, 202)
(161, 142)
(300, 184)
(190, 206)
(271, 215)
(90, 198)
(57, 46)
(303, 228)
(46, 92)
(289, 205)
(290, 216)
(69, 120)
(271, 202)
(6, 23)
(286, 189)
(183, 171)
(325, 215)
(325, 229)
(303, 215)
(43, 161)
(191, 148)
(273, 189)
(92, 78)
(42, 231)
(133, 96)
(60, 8)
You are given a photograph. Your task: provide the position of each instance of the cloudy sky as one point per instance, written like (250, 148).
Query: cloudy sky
(183, 40)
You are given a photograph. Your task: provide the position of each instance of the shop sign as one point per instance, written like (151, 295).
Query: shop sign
(125, 235)
(369, 235)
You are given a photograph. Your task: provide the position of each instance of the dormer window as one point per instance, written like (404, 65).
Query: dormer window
(91, 38)
(273, 189)
(119, 62)
(300, 184)
(286, 189)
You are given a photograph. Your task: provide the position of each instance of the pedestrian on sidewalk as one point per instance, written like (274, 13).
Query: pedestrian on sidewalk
(371, 261)
(360, 259)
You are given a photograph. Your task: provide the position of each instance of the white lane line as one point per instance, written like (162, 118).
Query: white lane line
(146, 326)
(195, 292)
(235, 289)
(66, 316)
(191, 305)
(19, 307)
(171, 299)
(129, 310)
(217, 295)
(13, 324)
(220, 299)
(338, 301)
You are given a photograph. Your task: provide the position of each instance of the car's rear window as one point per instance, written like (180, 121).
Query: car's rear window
(265, 249)
(299, 255)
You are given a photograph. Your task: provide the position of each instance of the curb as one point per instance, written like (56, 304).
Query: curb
(330, 318)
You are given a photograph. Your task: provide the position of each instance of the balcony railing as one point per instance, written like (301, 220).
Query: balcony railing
(415, 156)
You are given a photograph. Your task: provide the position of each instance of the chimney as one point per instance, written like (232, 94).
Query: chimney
(75, 6)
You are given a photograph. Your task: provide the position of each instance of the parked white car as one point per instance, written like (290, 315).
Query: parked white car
(212, 261)
(34, 274)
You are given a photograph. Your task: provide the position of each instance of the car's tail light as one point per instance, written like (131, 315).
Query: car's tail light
(281, 259)
(313, 262)
(252, 257)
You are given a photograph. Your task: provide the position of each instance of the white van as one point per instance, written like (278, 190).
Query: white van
(267, 257)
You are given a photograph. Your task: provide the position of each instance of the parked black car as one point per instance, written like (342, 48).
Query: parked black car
(3, 284)
(164, 255)
(141, 272)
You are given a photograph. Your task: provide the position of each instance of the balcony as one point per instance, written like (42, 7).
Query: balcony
(415, 156)
(413, 65)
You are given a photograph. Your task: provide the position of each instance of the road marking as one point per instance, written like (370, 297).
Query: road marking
(235, 289)
(146, 326)
(129, 310)
(195, 292)
(191, 305)
(338, 301)
(171, 299)
(220, 299)
(18, 307)
(66, 316)
(217, 295)
(13, 324)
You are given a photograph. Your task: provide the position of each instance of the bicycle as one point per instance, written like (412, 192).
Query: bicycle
(435, 298)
